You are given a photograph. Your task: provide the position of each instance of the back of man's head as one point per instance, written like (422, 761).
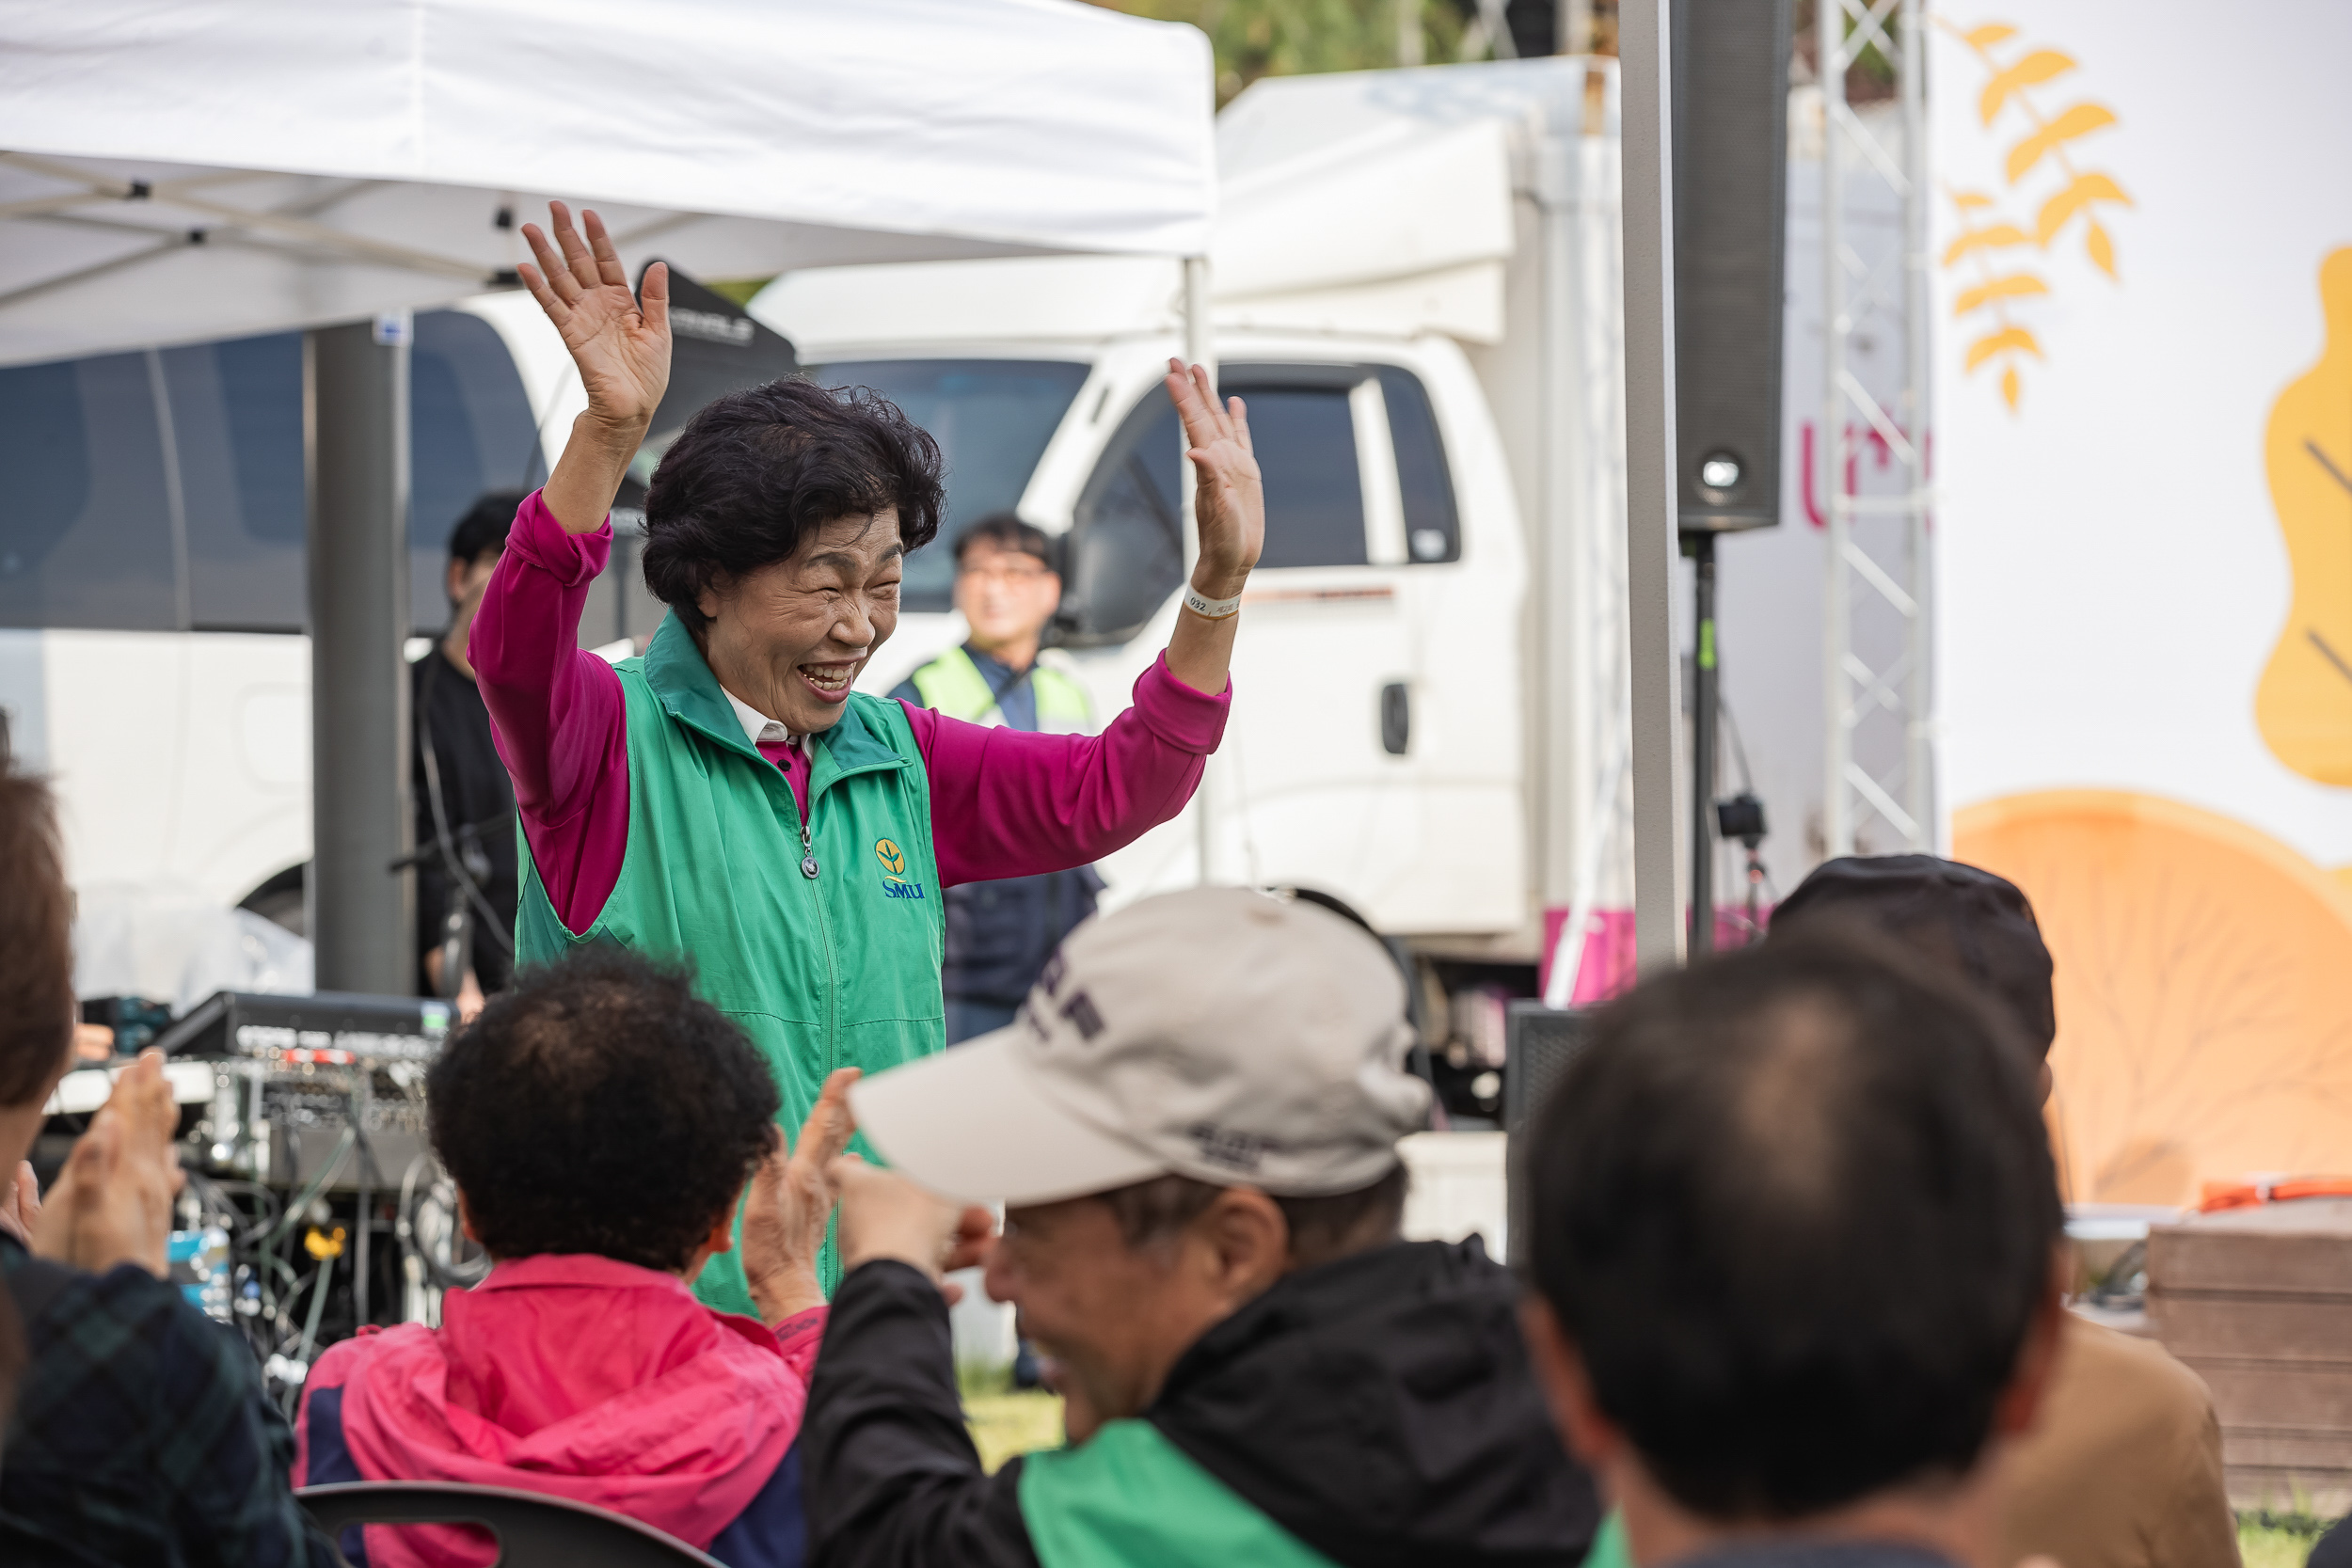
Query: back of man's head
(1794, 1210)
(37, 1005)
(1955, 917)
(599, 1106)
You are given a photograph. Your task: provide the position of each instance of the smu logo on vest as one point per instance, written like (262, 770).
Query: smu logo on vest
(894, 861)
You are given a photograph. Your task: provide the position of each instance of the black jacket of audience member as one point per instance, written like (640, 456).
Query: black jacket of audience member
(1379, 1408)
(475, 792)
(142, 1437)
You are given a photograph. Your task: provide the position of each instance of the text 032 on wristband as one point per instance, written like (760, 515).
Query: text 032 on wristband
(1208, 609)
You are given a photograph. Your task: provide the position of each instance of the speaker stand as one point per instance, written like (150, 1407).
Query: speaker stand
(1699, 544)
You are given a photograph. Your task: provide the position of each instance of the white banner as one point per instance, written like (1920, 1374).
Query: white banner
(2143, 414)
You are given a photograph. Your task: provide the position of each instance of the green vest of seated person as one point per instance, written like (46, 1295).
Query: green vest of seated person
(833, 967)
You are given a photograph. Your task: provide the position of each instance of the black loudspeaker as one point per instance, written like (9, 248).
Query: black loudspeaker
(1540, 1044)
(1731, 208)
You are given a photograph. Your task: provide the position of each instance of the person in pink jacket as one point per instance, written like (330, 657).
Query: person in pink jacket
(600, 1123)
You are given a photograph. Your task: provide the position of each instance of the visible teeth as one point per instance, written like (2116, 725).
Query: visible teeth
(826, 681)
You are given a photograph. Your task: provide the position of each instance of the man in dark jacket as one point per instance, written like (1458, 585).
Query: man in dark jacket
(1193, 1127)
(1795, 1235)
(464, 804)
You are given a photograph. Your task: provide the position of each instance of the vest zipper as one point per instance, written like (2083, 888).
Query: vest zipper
(824, 932)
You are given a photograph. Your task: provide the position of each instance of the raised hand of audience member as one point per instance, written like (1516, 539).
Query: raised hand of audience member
(790, 1202)
(19, 1204)
(883, 1215)
(112, 1203)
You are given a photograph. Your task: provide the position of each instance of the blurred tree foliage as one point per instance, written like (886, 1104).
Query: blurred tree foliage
(1290, 37)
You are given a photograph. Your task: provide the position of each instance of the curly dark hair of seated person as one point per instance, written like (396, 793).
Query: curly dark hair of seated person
(1796, 1209)
(599, 1106)
(759, 471)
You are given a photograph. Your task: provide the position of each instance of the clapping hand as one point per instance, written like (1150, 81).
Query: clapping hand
(1229, 504)
(883, 1215)
(19, 1204)
(112, 1203)
(789, 1204)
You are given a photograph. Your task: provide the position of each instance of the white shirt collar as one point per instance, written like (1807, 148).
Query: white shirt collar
(758, 728)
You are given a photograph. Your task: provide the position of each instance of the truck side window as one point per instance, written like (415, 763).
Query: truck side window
(1314, 496)
(86, 535)
(236, 421)
(1433, 528)
(470, 429)
(237, 408)
(1126, 541)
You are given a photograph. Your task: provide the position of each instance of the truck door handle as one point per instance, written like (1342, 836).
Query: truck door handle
(1396, 718)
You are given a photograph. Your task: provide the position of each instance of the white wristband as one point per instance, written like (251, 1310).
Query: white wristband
(1207, 609)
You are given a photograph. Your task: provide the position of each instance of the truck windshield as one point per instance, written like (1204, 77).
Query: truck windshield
(992, 418)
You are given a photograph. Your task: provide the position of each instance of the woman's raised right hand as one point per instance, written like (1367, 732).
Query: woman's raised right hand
(622, 349)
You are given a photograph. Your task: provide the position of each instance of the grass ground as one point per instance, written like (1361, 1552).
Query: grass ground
(2272, 1540)
(1006, 1421)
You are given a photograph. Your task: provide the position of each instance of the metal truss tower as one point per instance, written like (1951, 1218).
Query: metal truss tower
(1899, 789)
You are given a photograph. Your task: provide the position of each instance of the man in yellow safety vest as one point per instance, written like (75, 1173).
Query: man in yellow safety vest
(1000, 934)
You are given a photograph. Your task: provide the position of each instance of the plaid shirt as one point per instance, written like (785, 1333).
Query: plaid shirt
(142, 1434)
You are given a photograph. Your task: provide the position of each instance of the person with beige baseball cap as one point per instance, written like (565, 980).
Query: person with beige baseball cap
(1192, 1127)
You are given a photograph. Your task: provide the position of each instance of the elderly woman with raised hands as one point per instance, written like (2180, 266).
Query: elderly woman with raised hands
(729, 798)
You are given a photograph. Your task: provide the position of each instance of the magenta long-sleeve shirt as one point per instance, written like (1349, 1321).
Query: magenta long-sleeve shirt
(1004, 802)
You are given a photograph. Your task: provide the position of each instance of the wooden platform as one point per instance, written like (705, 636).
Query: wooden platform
(2258, 1302)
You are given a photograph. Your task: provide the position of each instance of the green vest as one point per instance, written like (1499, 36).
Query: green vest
(837, 970)
(1128, 1497)
(953, 685)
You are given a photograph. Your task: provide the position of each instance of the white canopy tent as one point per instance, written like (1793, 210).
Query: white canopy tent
(216, 167)
(219, 166)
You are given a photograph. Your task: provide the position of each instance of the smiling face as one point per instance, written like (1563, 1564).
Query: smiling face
(789, 638)
(1113, 1316)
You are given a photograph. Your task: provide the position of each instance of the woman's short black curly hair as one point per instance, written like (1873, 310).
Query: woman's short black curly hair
(600, 1106)
(758, 470)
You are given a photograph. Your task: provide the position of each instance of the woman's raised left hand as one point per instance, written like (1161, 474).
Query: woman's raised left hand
(1229, 504)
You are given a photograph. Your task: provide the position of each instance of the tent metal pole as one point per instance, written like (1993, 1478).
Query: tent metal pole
(1198, 350)
(355, 431)
(1655, 666)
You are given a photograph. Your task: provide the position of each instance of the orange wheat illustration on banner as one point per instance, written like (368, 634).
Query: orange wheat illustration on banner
(2067, 193)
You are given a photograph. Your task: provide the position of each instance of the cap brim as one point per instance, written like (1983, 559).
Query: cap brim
(971, 1124)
